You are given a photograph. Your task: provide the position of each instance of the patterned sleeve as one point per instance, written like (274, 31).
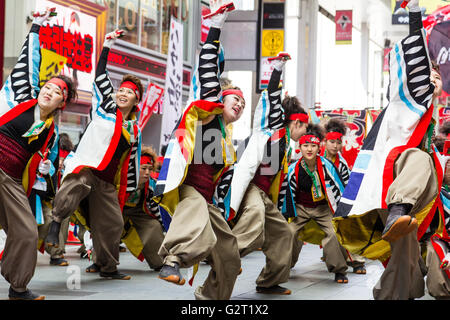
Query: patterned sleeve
(276, 115)
(208, 68)
(103, 88)
(23, 82)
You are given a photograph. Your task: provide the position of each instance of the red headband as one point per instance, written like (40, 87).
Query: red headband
(334, 135)
(302, 117)
(132, 86)
(61, 85)
(146, 159)
(233, 91)
(309, 139)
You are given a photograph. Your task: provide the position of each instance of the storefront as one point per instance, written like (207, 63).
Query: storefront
(76, 36)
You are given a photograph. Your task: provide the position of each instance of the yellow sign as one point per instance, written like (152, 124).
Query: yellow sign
(51, 65)
(272, 42)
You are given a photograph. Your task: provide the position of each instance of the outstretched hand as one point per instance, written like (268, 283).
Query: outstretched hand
(111, 37)
(42, 16)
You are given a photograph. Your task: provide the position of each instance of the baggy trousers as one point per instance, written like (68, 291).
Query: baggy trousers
(415, 182)
(261, 225)
(105, 216)
(198, 231)
(334, 253)
(150, 232)
(17, 219)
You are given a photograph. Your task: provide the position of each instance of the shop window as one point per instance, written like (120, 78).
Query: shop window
(150, 24)
(112, 13)
(128, 19)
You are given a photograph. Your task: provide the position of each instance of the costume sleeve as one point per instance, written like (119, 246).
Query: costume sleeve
(23, 82)
(415, 22)
(103, 88)
(208, 69)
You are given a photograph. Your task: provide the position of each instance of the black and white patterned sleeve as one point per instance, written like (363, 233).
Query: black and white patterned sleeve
(103, 89)
(23, 82)
(208, 68)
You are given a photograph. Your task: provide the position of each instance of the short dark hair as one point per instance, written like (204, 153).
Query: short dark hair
(65, 143)
(136, 81)
(291, 105)
(445, 128)
(72, 85)
(336, 125)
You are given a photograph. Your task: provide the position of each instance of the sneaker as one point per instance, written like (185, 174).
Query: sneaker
(398, 223)
(26, 295)
(273, 290)
(115, 275)
(59, 262)
(52, 239)
(171, 274)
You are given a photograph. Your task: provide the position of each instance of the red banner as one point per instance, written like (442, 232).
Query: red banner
(356, 123)
(344, 24)
(444, 115)
(149, 103)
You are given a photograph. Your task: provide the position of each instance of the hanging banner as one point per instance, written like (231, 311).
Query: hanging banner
(51, 65)
(344, 26)
(173, 100)
(149, 104)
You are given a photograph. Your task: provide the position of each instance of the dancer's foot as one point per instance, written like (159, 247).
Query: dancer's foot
(93, 268)
(59, 262)
(359, 270)
(52, 239)
(273, 290)
(26, 295)
(340, 278)
(171, 274)
(398, 223)
(115, 275)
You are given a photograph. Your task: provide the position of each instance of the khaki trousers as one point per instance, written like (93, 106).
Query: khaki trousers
(17, 219)
(199, 231)
(415, 182)
(43, 231)
(150, 232)
(438, 283)
(104, 216)
(334, 254)
(261, 225)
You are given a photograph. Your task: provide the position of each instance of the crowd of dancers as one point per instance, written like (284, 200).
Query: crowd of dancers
(202, 204)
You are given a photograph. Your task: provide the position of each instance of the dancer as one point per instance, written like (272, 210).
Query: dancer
(106, 160)
(315, 188)
(143, 229)
(27, 129)
(258, 178)
(335, 130)
(395, 180)
(193, 184)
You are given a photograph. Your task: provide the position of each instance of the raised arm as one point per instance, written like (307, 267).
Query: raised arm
(415, 17)
(23, 82)
(103, 88)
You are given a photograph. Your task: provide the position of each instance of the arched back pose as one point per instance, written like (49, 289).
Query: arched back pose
(394, 186)
(257, 182)
(194, 181)
(106, 160)
(27, 130)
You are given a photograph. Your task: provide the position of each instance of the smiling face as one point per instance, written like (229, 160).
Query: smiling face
(436, 79)
(126, 99)
(309, 151)
(233, 108)
(50, 98)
